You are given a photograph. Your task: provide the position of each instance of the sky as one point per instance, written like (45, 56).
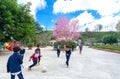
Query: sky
(88, 12)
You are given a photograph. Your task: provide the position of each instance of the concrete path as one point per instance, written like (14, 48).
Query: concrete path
(91, 64)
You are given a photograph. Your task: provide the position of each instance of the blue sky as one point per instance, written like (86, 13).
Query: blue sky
(47, 18)
(88, 12)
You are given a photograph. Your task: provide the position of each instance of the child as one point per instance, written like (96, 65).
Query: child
(38, 47)
(14, 64)
(22, 51)
(64, 48)
(80, 45)
(58, 50)
(68, 53)
(35, 58)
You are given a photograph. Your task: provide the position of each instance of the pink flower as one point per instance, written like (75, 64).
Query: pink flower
(66, 29)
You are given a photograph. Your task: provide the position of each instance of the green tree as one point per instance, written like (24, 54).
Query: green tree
(110, 39)
(16, 21)
(6, 18)
(38, 27)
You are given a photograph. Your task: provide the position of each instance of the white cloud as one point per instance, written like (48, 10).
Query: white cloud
(85, 18)
(62, 6)
(88, 21)
(104, 7)
(108, 22)
(36, 4)
(42, 26)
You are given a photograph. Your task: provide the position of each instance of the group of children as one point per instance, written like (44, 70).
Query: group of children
(68, 50)
(65, 49)
(15, 61)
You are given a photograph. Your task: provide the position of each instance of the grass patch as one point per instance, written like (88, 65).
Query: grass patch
(109, 47)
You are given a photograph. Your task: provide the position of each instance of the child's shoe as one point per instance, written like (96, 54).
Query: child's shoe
(29, 68)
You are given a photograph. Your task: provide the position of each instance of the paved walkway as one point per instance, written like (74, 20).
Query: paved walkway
(92, 64)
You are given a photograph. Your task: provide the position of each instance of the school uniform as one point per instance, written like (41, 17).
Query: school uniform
(68, 53)
(14, 66)
(58, 50)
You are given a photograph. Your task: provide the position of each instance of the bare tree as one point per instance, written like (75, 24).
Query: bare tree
(118, 26)
(86, 29)
(98, 27)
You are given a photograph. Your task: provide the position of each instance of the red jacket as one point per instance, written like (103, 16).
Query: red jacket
(34, 58)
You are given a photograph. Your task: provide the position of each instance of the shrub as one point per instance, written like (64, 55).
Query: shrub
(30, 45)
(110, 39)
(70, 44)
(110, 47)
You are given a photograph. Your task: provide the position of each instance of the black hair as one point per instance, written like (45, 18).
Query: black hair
(67, 46)
(38, 45)
(37, 50)
(16, 49)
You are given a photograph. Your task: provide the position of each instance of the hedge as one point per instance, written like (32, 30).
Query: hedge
(70, 44)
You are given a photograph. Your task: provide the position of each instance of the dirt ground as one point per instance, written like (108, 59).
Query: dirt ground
(91, 64)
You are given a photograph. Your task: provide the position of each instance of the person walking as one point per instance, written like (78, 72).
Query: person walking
(64, 48)
(58, 50)
(68, 54)
(14, 64)
(80, 46)
(35, 58)
(72, 47)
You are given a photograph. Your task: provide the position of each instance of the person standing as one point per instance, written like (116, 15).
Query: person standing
(68, 54)
(35, 58)
(72, 47)
(38, 47)
(80, 46)
(14, 64)
(64, 48)
(58, 50)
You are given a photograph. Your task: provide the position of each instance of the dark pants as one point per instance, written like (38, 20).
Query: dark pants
(72, 48)
(34, 63)
(22, 57)
(20, 76)
(67, 60)
(39, 59)
(80, 47)
(58, 52)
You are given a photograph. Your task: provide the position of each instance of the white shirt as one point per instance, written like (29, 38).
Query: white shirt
(36, 55)
(16, 73)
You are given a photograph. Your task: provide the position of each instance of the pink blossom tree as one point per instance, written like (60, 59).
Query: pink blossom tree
(66, 29)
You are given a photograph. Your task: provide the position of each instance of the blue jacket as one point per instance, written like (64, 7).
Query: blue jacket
(22, 51)
(68, 52)
(59, 47)
(14, 63)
